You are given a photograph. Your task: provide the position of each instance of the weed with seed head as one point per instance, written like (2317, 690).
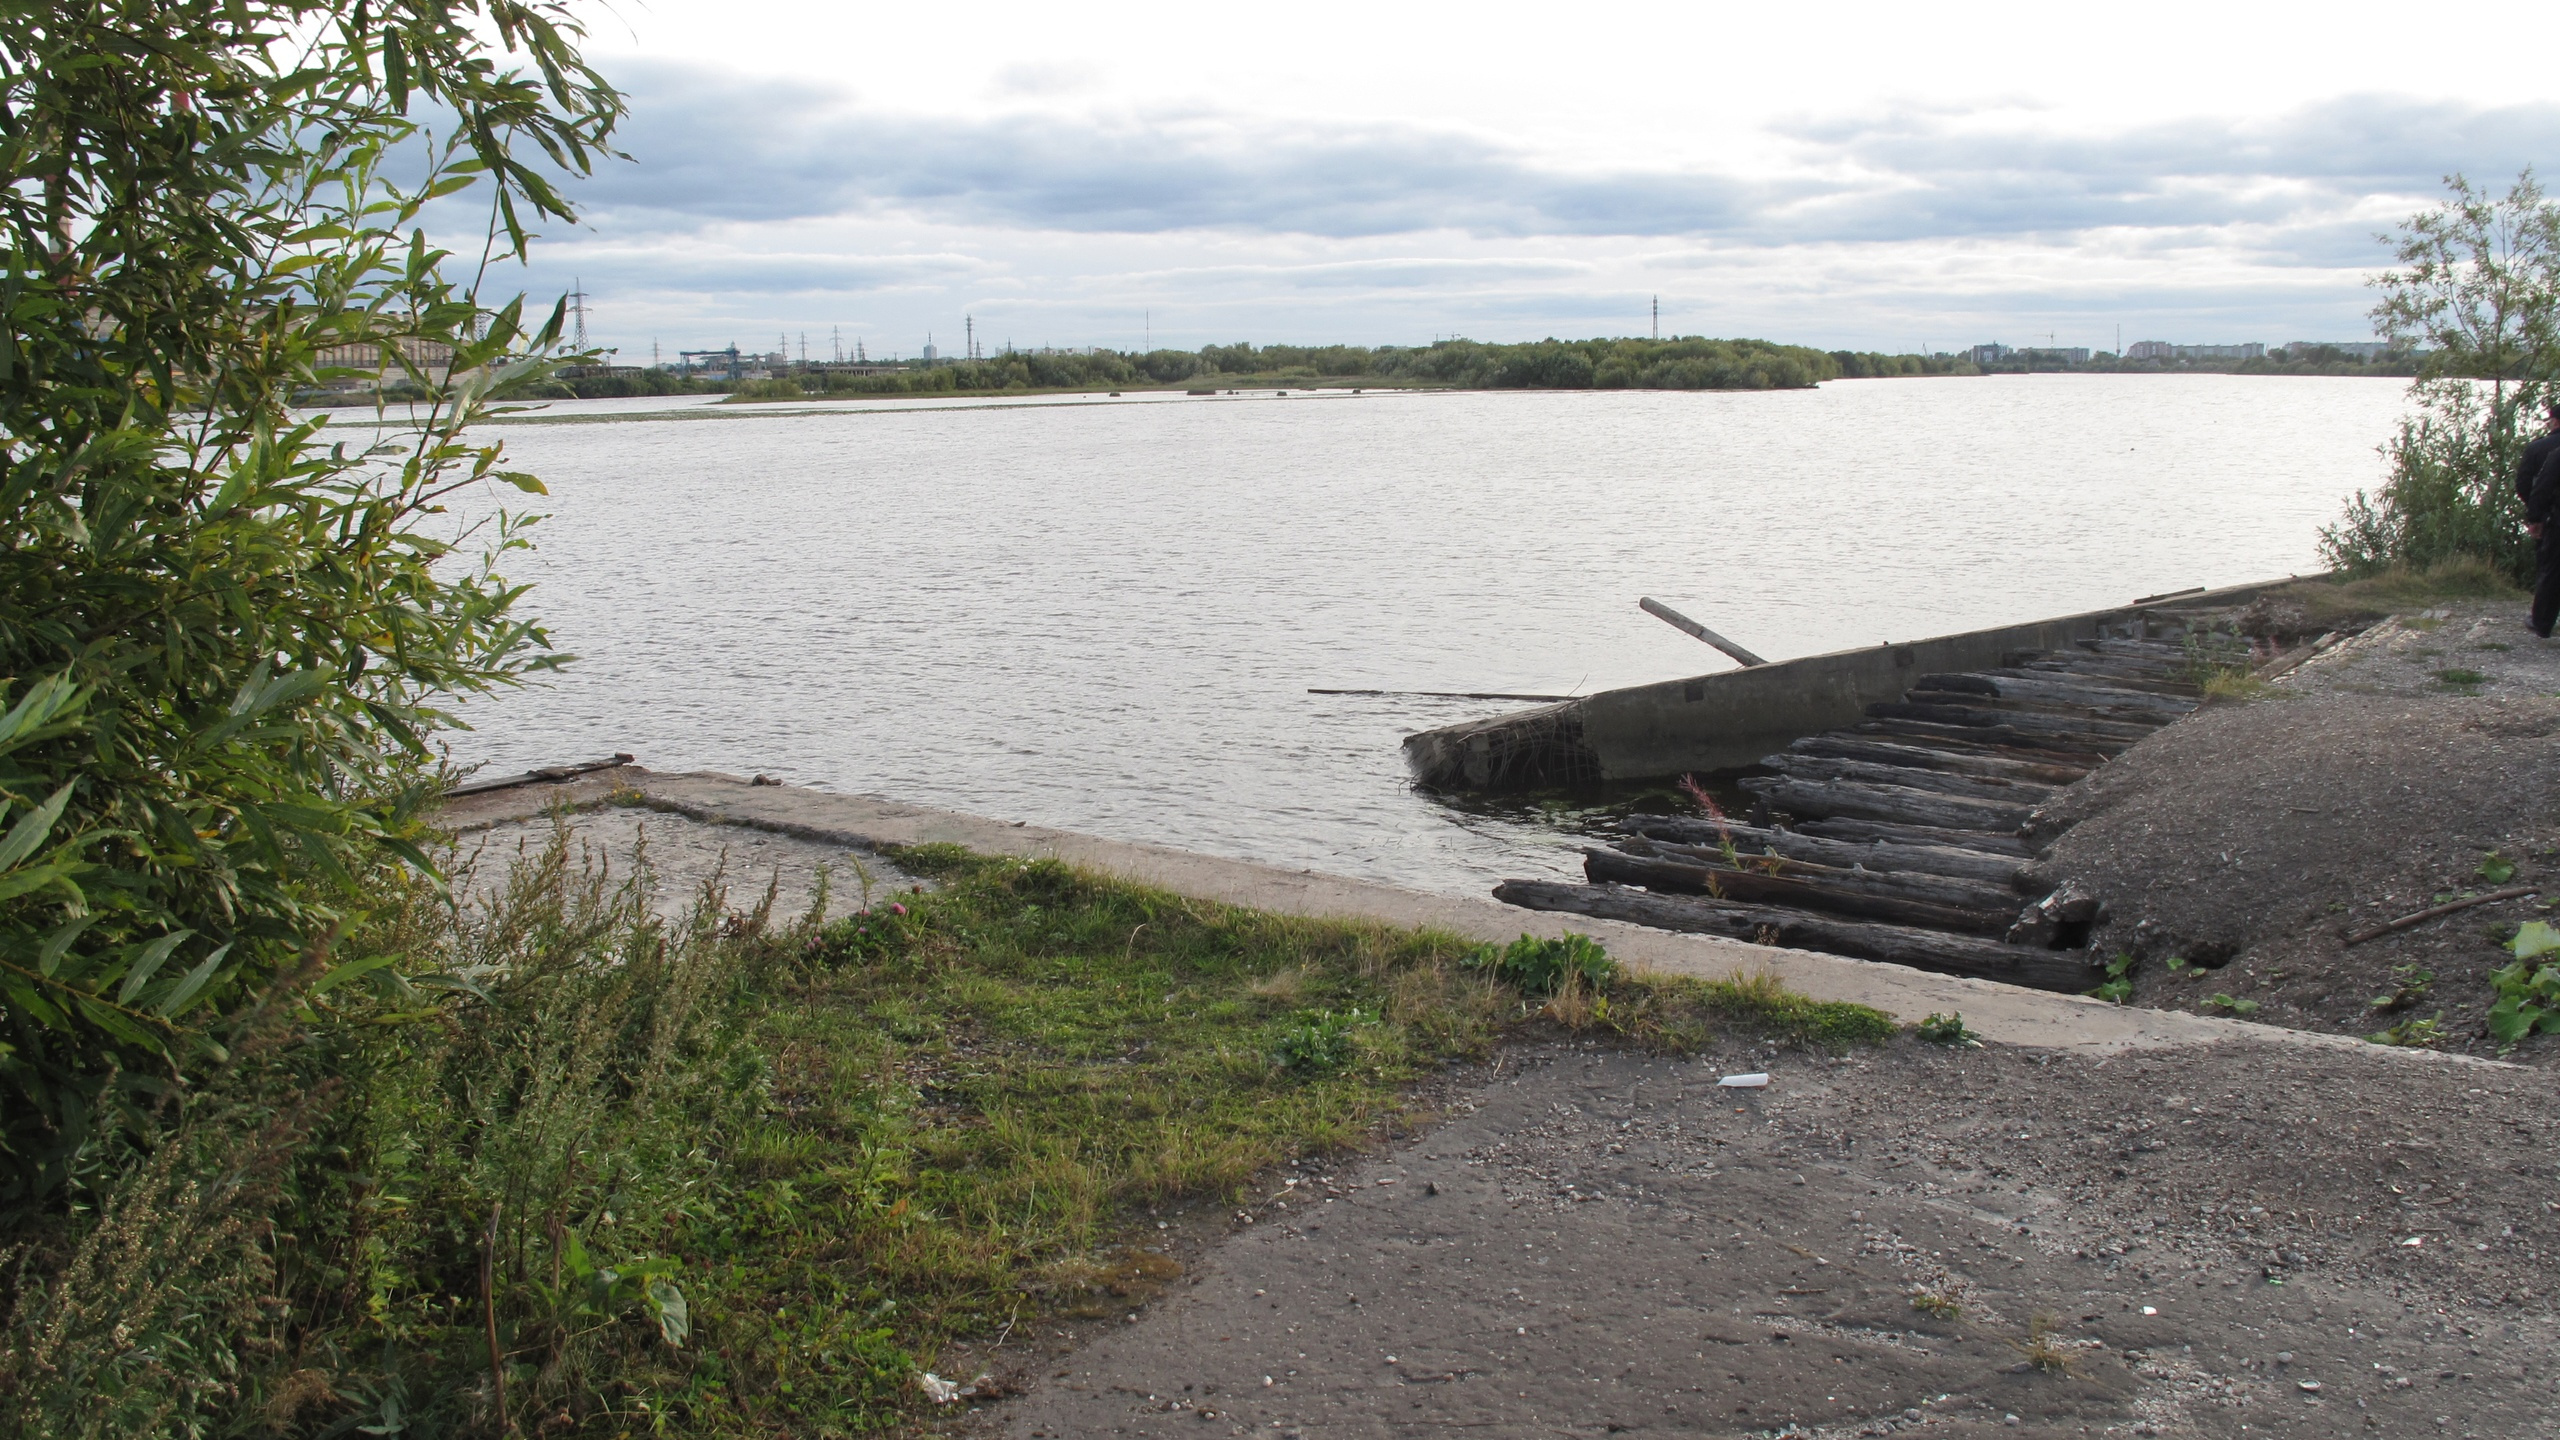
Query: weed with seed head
(1937, 1304)
(2043, 1352)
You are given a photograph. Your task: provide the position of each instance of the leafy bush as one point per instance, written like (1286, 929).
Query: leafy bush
(2477, 293)
(1320, 1040)
(2528, 989)
(225, 638)
(1947, 1030)
(1546, 967)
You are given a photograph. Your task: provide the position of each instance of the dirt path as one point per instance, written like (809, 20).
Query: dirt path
(1597, 1243)
(2405, 768)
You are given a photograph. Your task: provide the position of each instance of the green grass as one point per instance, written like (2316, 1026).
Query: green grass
(749, 1177)
(2334, 604)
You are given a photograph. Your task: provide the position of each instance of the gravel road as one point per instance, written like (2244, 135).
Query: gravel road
(2248, 1239)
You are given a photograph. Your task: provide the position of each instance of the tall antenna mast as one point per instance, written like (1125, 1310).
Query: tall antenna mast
(1657, 317)
(836, 333)
(969, 336)
(578, 308)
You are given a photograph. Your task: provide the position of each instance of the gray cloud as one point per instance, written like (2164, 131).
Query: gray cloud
(1892, 176)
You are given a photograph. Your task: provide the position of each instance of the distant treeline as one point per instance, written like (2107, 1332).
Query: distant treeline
(1676, 364)
(2301, 360)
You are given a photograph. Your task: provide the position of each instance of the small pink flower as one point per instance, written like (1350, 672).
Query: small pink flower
(900, 909)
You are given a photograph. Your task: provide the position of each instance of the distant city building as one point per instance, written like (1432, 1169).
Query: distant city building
(2163, 350)
(2032, 355)
(731, 363)
(2367, 350)
(931, 354)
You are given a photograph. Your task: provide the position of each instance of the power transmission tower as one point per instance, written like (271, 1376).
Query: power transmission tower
(969, 336)
(1657, 317)
(578, 308)
(836, 333)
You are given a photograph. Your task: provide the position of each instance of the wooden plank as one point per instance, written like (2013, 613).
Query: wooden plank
(1685, 877)
(1992, 740)
(1915, 886)
(2100, 719)
(1862, 832)
(1678, 621)
(1958, 862)
(548, 774)
(2063, 970)
(2044, 727)
(1937, 757)
(1894, 804)
(1824, 769)
(2014, 685)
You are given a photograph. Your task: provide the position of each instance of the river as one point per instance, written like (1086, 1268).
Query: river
(1106, 615)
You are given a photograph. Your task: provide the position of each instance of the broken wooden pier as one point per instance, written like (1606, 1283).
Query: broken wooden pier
(1902, 837)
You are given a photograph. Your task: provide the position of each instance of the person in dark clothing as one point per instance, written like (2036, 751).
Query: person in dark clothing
(2538, 486)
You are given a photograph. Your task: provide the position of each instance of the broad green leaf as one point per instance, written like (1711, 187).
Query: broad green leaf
(148, 964)
(340, 974)
(2510, 1020)
(187, 987)
(2534, 937)
(675, 1323)
(31, 830)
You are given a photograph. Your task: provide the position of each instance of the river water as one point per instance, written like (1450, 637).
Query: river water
(1106, 615)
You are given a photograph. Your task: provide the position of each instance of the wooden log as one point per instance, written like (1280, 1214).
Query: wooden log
(2044, 727)
(2064, 970)
(1678, 621)
(1683, 877)
(1827, 768)
(1945, 891)
(2095, 715)
(548, 774)
(1932, 757)
(1894, 804)
(2054, 690)
(1991, 740)
(1955, 862)
(1865, 832)
(2145, 679)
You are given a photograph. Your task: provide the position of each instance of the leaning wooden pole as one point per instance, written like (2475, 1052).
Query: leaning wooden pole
(1678, 621)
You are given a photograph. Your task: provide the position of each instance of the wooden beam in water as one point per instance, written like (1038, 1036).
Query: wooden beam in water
(1678, 621)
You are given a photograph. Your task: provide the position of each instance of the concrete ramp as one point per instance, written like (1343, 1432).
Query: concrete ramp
(1732, 718)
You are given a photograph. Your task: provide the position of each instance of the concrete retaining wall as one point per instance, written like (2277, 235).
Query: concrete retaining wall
(1732, 718)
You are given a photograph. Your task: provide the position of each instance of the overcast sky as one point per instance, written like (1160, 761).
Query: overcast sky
(1873, 177)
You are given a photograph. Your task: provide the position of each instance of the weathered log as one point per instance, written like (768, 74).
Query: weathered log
(2045, 728)
(1894, 804)
(2053, 690)
(1932, 757)
(1992, 740)
(1931, 950)
(2148, 679)
(1867, 772)
(1864, 832)
(1915, 886)
(1688, 878)
(2095, 715)
(1946, 860)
